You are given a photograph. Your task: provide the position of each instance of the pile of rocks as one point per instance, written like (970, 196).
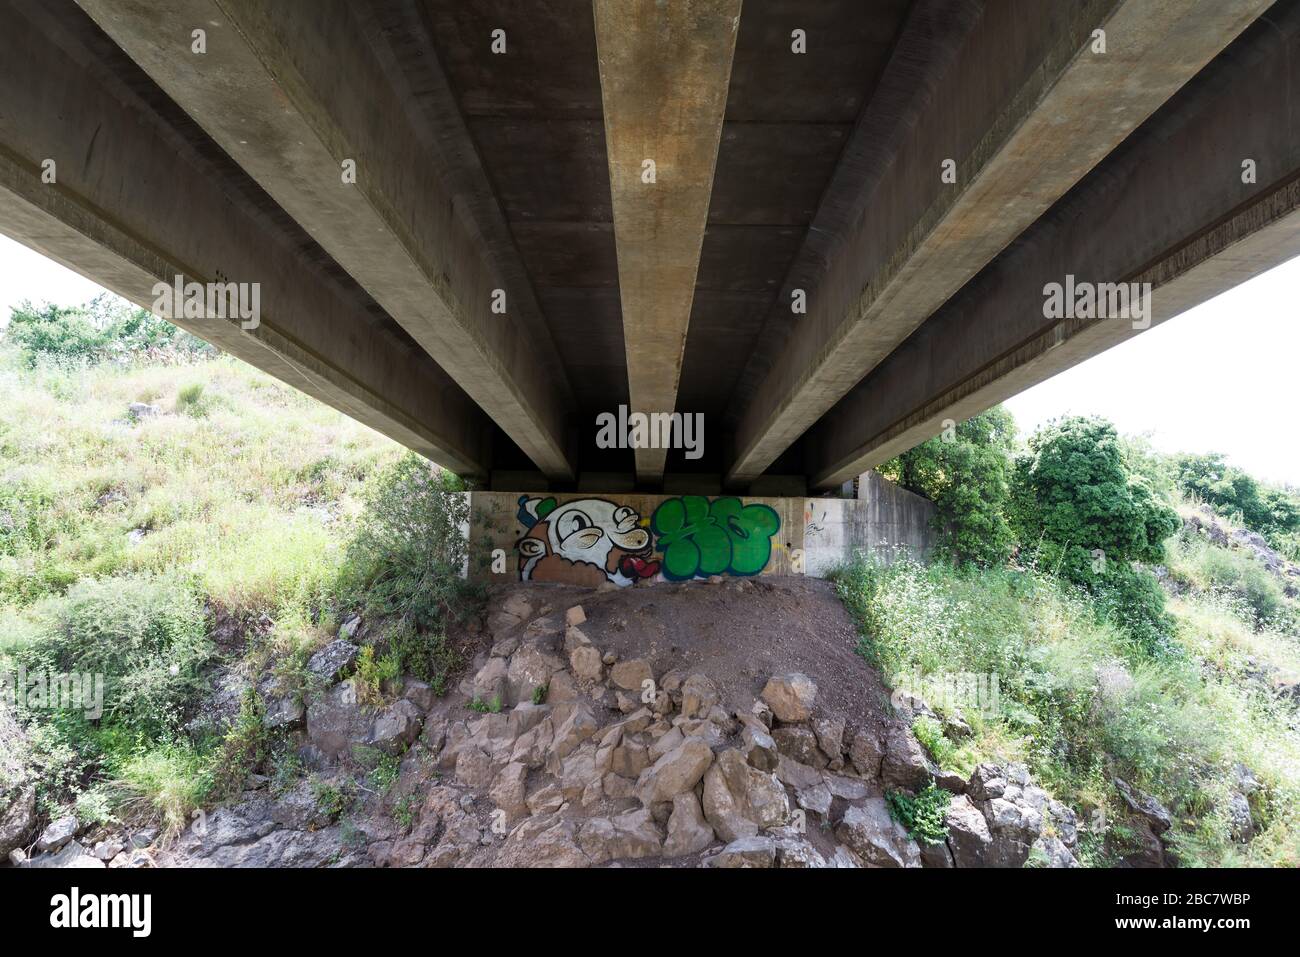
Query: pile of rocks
(556, 753)
(613, 762)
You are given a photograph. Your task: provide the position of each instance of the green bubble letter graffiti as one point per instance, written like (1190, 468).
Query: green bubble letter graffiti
(699, 538)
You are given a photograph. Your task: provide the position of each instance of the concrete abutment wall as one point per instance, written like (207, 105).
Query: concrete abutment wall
(623, 539)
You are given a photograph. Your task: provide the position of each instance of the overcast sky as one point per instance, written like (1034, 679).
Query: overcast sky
(1223, 377)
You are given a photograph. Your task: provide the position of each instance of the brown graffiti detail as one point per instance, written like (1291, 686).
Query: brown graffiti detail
(583, 542)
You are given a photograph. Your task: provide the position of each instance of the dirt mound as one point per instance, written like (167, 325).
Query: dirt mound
(737, 631)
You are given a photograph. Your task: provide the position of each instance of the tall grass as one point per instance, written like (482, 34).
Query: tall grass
(1081, 702)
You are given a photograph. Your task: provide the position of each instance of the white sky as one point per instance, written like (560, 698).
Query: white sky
(1222, 377)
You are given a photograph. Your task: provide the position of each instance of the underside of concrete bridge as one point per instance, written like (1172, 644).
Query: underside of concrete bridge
(488, 228)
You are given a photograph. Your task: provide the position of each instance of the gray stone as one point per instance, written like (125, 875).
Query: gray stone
(629, 674)
(1050, 852)
(740, 800)
(17, 819)
(631, 835)
(335, 660)
(688, 831)
(904, 766)
(699, 695)
(968, 833)
(395, 727)
(871, 833)
(1145, 806)
(57, 833)
(746, 852)
(799, 744)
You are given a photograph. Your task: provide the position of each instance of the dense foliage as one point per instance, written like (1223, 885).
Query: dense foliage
(965, 472)
(1083, 514)
(1270, 510)
(103, 329)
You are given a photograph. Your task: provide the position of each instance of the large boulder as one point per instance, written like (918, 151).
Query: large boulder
(1050, 852)
(395, 727)
(57, 833)
(1145, 806)
(530, 668)
(630, 674)
(871, 833)
(543, 842)
(904, 765)
(628, 836)
(677, 771)
(968, 833)
(333, 661)
(688, 831)
(800, 744)
(699, 696)
(17, 819)
(790, 696)
(867, 752)
(740, 800)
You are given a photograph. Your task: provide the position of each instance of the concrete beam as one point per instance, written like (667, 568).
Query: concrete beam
(294, 91)
(1027, 108)
(1169, 207)
(664, 72)
(140, 197)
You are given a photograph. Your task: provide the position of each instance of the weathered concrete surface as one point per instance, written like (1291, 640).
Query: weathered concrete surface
(664, 72)
(138, 201)
(291, 92)
(884, 522)
(478, 171)
(1192, 235)
(1025, 111)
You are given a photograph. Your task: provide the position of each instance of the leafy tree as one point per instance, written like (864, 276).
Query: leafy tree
(965, 472)
(1086, 516)
(406, 557)
(105, 328)
(1271, 511)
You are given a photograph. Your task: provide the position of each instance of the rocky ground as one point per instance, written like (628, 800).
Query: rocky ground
(723, 724)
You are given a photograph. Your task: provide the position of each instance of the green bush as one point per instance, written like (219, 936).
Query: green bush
(1079, 701)
(924, 815)
(1081, 513)
(965, 473)
(404, 564)
(144, 634)
(1269, 510)
(105, 328)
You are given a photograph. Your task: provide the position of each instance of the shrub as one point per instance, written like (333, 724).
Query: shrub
(923, 816)
(1086, 517)
(105, 328)
(243, 749)
(409, 549)
(191, 401)
(144, 634)
(965, 473)
(164, 785)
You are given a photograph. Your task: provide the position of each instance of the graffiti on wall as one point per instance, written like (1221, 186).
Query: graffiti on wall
(592, 540)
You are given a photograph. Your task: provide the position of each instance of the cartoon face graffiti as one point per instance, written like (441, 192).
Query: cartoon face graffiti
(584, 542)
